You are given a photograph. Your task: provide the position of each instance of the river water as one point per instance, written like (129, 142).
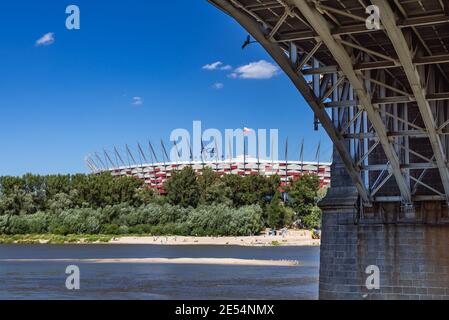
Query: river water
(46, 280)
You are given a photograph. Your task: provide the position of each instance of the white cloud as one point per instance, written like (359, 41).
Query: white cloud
(218, 86)
(217, 66)
(256, 70)
(137, 101)
(213, 66)
(46, 39)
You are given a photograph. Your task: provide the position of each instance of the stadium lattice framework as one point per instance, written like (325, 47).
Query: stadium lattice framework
(156, 174)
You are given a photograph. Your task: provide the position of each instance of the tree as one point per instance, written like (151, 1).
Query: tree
(17, 202)
(277, 215)
(36, 187)
(234, 183)
(182, 188)
(302, 194)
(313, 220)
(274, 211)
(58, 184)
(322, 193)
(213, 190)
(59, 203)
(251, 190)
(9, 185)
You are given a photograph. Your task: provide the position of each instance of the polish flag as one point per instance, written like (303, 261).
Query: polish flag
(247, 130)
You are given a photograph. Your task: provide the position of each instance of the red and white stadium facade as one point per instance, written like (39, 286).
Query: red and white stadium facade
(156, 174)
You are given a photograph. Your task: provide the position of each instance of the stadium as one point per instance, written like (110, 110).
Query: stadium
(155, 174)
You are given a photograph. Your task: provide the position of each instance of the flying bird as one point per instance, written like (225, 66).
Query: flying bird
(247, 42)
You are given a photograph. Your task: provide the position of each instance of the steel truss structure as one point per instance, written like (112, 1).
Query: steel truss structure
(381, 94)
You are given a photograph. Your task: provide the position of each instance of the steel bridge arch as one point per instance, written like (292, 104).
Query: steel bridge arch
(383, 102)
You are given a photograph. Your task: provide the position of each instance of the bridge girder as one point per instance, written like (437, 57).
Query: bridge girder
(278, 54)
(380, 101)
(406, 59)
(346, 64)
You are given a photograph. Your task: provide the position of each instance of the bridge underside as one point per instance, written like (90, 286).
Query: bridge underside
(381, 94)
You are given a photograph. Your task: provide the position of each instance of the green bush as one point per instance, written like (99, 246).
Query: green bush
(115, 214)
(220, 220)
(213, 220)
(313, 220)
(25, 224)
(17, 225)
(141, 229)
(110, 229)
(38, 223)
(80, 221)
(3, 224)
(123, 230)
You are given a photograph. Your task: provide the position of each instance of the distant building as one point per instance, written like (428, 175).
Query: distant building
(156, 174)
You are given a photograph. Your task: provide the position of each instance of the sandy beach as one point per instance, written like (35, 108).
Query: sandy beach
(293, 238)
(192, 261)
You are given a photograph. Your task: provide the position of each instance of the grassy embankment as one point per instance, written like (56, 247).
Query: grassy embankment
(54, 239)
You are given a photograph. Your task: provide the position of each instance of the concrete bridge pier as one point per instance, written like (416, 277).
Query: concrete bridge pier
(412, 255)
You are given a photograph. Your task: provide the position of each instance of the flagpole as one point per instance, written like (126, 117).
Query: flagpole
(302, 157)
(258, 154)
(286, 171)
(286, 161)
(202, 155)
(190, 154)
(217, 156)
(244, 155)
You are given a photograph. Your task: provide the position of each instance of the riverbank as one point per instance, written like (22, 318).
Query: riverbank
(293, 238)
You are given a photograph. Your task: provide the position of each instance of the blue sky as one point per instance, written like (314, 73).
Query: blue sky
(133, 72)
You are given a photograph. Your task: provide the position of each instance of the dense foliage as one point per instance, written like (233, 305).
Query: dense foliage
(204, 205)
(30, 193)
(154, 219)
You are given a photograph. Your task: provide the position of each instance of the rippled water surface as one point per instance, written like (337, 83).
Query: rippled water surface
(46, 280)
